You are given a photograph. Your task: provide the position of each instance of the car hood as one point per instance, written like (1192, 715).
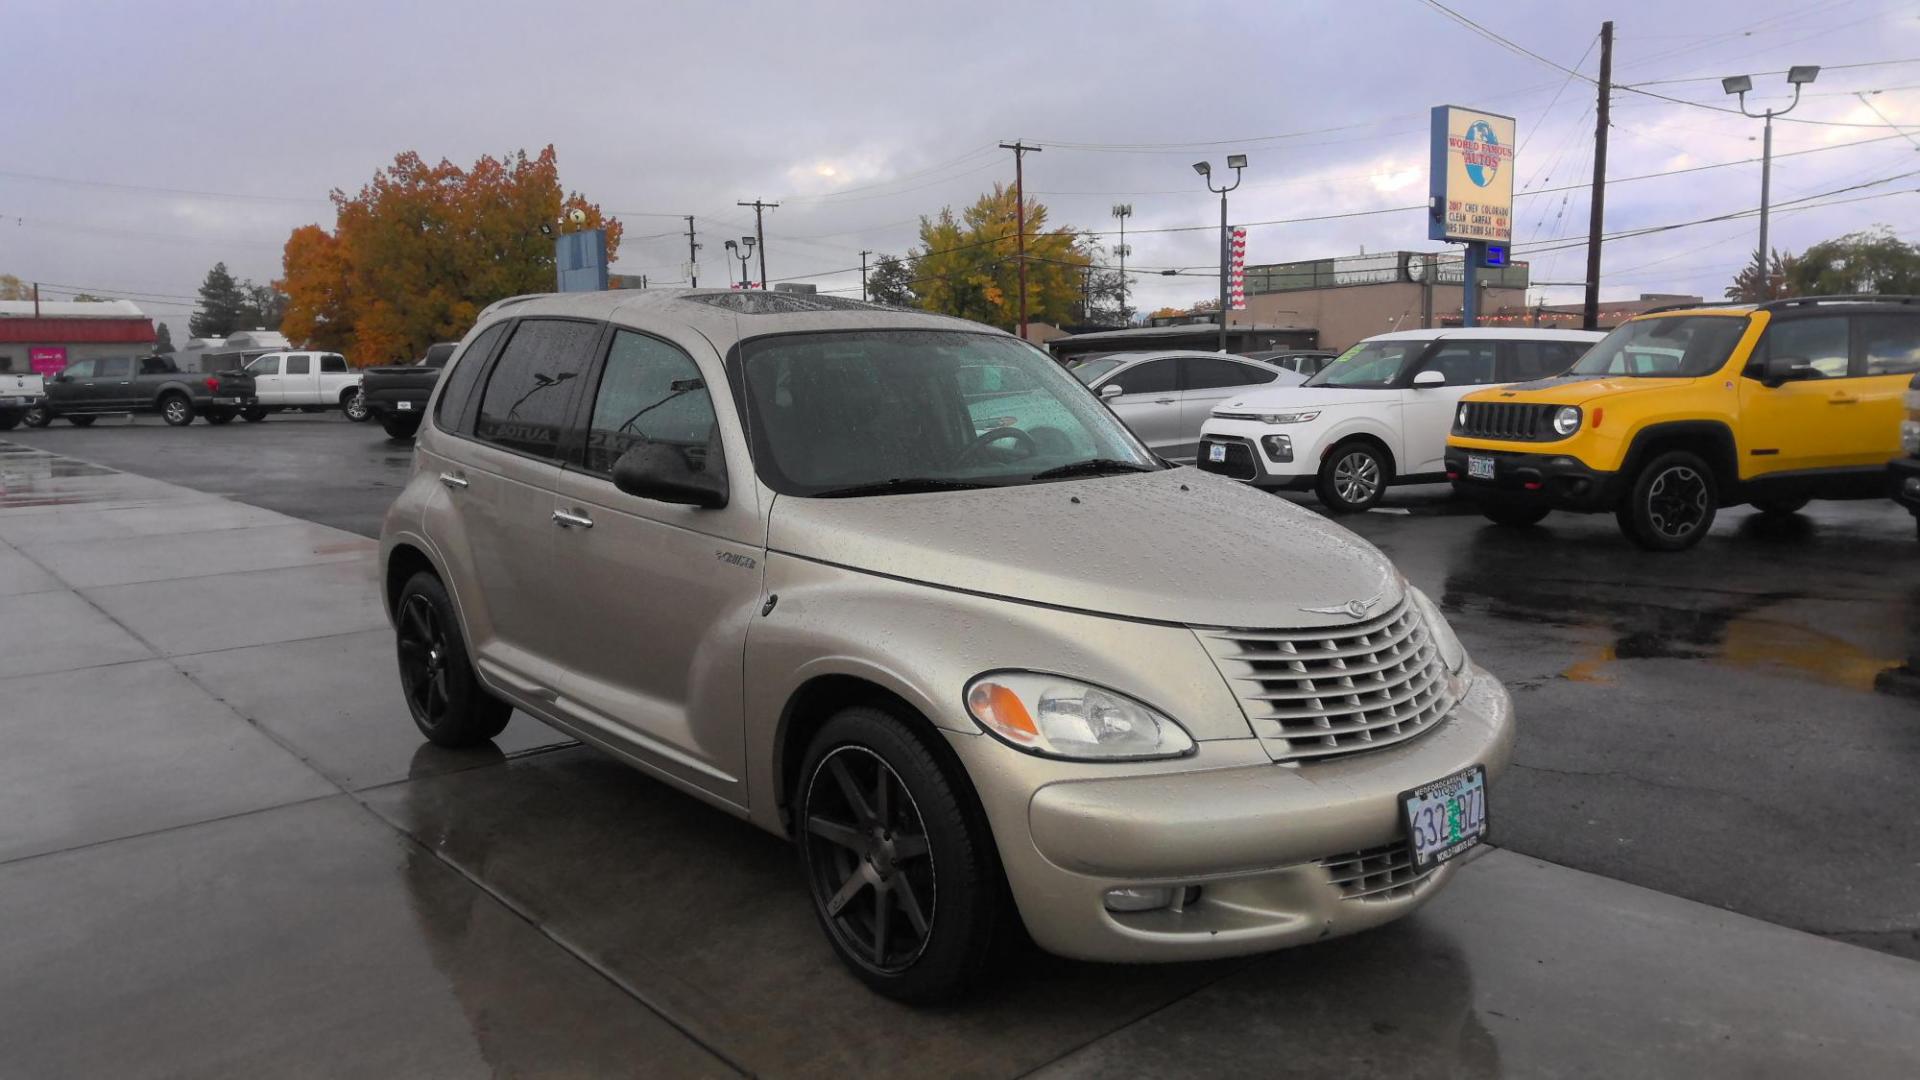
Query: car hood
(1574, 389)
(1294, 397)
(1176, 546)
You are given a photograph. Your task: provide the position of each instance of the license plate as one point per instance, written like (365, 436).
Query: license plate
(1446, 817)
(1479, 468)
(13, 401)
(404, 406)
(1216, 452)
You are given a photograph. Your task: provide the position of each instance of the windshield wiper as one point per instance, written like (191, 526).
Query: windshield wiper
(1092, 467)
(899, 485)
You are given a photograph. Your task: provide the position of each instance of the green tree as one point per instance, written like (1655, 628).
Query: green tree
(89, 298)
(162, 338)
(261, 307)
(1870, 261)
(968, 265)
(891, 282)
(1750, 287)
(221, 304)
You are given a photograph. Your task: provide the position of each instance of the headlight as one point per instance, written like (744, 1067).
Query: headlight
(1910, 437)
(1061, 718)
(1567, 420)
(1288, 417)
(1452, 653)
(1460, 418)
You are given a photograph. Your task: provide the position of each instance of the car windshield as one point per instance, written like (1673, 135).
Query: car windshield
(1088, 370)
(1370, 365)
(895, 411)
(1671, 347)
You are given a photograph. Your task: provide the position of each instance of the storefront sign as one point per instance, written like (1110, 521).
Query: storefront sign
(50, 360)
(1471, 194)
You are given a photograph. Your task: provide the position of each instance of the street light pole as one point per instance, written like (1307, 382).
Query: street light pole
(1798, 75)
(1236, 162)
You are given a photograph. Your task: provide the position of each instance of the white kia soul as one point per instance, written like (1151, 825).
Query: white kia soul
(1377, 415)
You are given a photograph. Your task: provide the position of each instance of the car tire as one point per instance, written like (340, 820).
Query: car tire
(1353, 478)
(1671, 504)
(1780, 507)
(443, 694)
(253, 416)
(37, 416)
(1515, 516)
(218, 418)
(907, 931)
(354, 407)
(10, 421)
(399, 429)
(176, 410)
(81, 421)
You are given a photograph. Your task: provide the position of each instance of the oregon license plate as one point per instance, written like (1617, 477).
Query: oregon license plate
(1446, 817)
(404, 406)
(1216, 452)
(1479, 468)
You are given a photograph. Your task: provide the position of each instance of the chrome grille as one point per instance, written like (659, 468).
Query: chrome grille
(1379, 873)
(1335, 690)
(1513, 421)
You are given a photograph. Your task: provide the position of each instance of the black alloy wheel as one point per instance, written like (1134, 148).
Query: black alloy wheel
(448, 704)
(1672, 503)
(872, 871)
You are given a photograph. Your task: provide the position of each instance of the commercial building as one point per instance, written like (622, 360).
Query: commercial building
(1352, 297)
(1200, 332)
(45, 336)
(1611, 313)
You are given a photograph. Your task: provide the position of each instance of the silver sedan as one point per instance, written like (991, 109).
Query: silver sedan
(1164, 397)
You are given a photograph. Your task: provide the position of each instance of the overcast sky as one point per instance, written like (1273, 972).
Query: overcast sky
(143, 141)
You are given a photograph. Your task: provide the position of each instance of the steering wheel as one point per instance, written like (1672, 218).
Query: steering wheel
(995, 435)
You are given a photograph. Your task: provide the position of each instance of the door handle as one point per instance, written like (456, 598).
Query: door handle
(567, 520)
(452, 481)
(1163, 401)
(1840, 399)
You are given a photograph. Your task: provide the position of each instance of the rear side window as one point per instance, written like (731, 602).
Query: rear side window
(1152, 377)
(450, 413)
(524, 407)
(1819, 343)
(1209, 373)
(1541, 359)
(333, 364)
(118, 367)
(1889, 344)
(300, 365)
(1464, 363)
(650, 392)
(154, 365)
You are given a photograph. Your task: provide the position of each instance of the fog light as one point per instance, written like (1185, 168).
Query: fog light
(1278, 447)
(1140, 898)
(1913, 485)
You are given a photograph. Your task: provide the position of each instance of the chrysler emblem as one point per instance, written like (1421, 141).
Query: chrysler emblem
(1353, 609)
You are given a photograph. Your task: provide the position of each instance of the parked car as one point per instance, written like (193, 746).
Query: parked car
(1304, 361)
(1681, 412)
(1903, 472)
(304, 380)
(1165, 396)
(397, 395)
(1378, 415)
(767, 555)
(117, 385)
(19, 395)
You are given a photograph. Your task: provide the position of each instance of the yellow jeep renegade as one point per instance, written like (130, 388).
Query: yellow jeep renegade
(1680, 412)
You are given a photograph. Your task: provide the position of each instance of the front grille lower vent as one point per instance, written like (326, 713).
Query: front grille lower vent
(1512, 421)
(1379, 873)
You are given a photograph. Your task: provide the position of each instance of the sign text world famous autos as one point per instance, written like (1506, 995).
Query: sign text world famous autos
(1472, 176)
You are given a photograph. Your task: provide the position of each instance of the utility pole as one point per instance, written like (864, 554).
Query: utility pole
(759, 234)
(1020, 151)
(693, 257)
(863, 275)
(1590, 312)
(1123, 211)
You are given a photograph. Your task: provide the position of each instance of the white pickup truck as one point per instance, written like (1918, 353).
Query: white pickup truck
(310, 381)
(18, 396)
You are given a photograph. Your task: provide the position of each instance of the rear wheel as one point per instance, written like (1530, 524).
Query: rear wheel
(1672, 503)
(902, 869)
(399, 428)
(1352, 478)
(80, 421)
(1515, 516)
(176, 410)
(221, 417)
(354, 406)
(9, 421)
(1780, 507)
(448, 704)
(37, 417)
(253, 416)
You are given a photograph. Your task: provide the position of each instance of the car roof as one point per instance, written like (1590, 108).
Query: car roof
(1517, 333)
(726, 317)
(1167, 354)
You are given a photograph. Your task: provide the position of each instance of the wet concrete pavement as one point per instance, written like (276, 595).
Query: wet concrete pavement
(223, 851)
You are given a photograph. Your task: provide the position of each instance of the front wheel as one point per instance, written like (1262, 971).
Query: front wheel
(354, 406)
(177, 411)
(448, 704)
(9, 421)
(1515, 516)
(1671, 504)
(37, 417)
(901, 867)
(1352, 478)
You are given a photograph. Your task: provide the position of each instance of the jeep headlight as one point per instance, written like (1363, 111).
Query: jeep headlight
(1452, 653)
(1059, 717)
(1910, 437)
(1289, 417)
(1566, 420)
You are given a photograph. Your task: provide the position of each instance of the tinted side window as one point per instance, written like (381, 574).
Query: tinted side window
(333, 364)
(450, 413)
(1152, 377)
(525, 404)
(301, 364)
(1889, 344)
(1207, 373)
(1820, 343)
(1531, 360)
(79, 369)
(1464, 363)
(117, 367)
(650, 392)
(153, 365)
(266, 365)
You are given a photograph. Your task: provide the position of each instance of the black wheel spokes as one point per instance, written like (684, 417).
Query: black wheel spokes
(423, 659)
(870, 859)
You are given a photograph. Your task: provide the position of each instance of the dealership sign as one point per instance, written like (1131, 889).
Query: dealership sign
(1471, 198)
(48, 360)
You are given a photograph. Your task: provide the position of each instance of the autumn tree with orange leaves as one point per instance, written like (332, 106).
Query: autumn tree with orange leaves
(416, 255)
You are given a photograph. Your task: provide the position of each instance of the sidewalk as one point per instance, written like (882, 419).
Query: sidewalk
(224, 851)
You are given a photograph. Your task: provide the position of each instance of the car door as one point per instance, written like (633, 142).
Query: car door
(1426, 412)
(1802, 423)
(68, 390)
(498, 528)
(266, 378)
(111, 388)
(1207, 381)
(297, 380)
(661, 594)
(1149, 404)
(334, 378)
(1886, 354)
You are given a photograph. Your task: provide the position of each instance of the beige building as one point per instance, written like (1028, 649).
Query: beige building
(1353, 297)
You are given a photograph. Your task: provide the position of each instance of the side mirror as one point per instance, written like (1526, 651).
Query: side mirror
(1429, 378)
(662, 473)
(1786, 369)
(1110, 390)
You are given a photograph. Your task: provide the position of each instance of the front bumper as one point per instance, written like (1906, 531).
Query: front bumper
(1903, 482)
(1254, 837)
(1282, 457)
(1559, 481)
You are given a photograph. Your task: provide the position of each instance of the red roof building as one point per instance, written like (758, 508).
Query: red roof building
(47, 336)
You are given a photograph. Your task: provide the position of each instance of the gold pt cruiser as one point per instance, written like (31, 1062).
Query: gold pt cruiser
(898, 587)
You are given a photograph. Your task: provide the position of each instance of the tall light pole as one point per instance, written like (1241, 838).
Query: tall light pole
(744, 252)
(1799, 76)
(1236, 162)
(1123, 211)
